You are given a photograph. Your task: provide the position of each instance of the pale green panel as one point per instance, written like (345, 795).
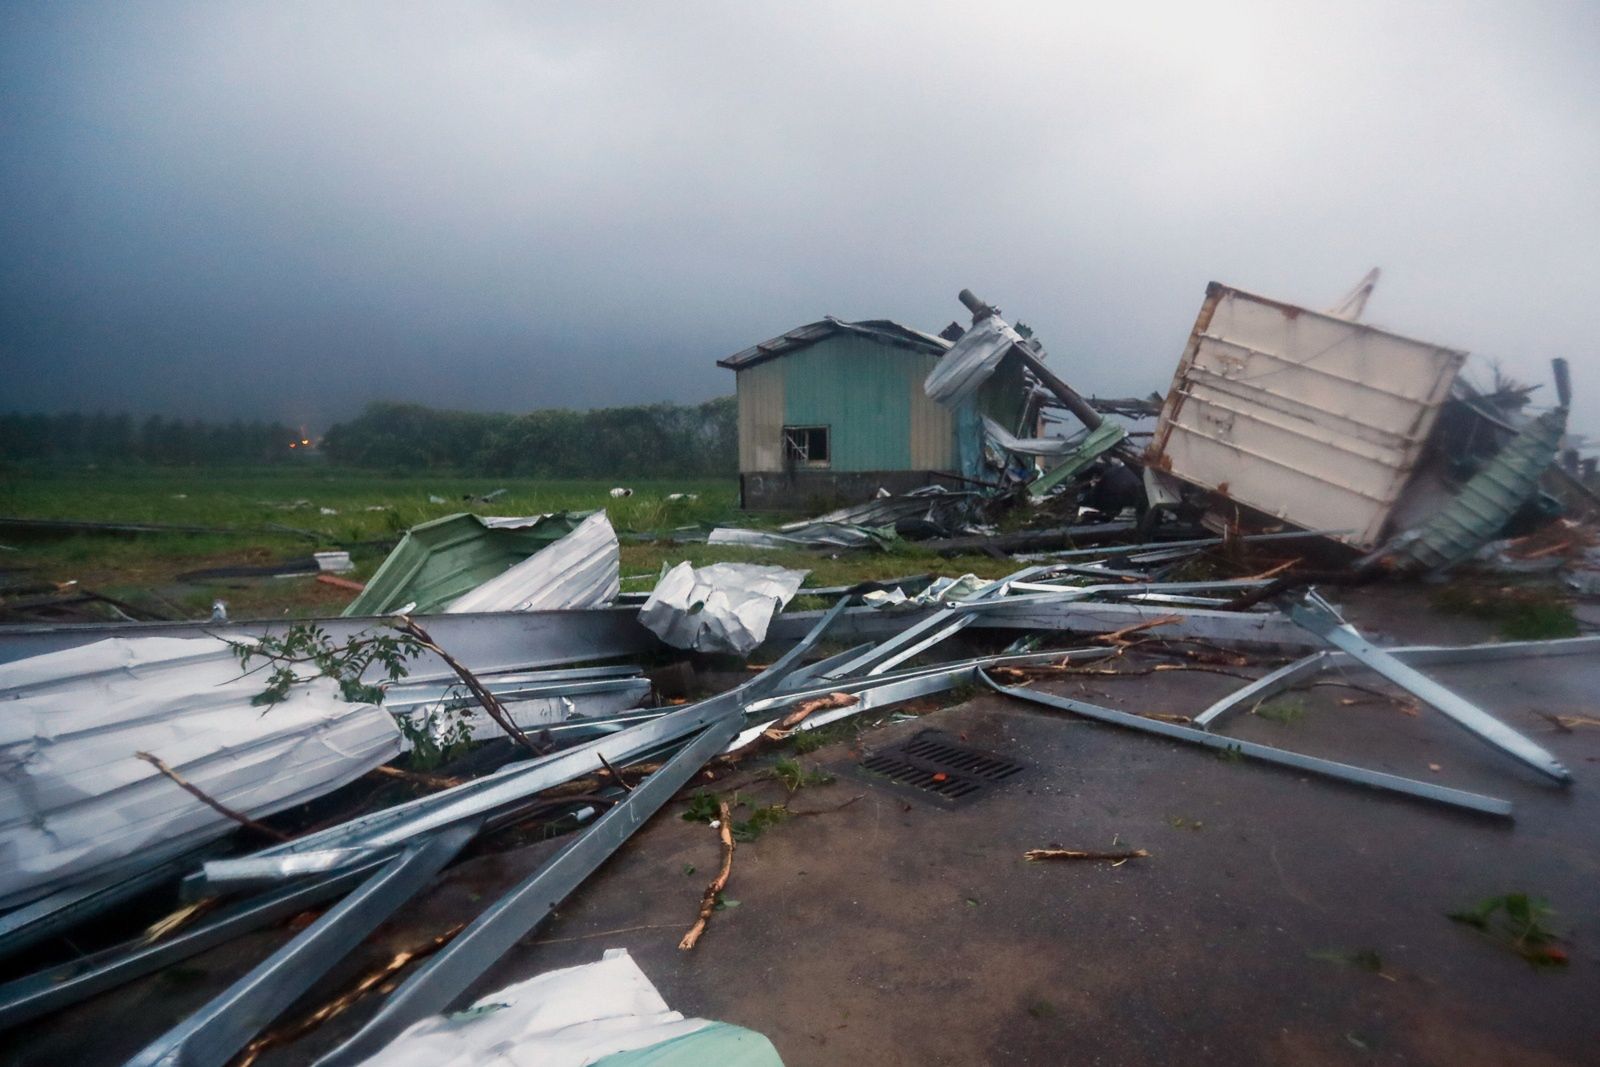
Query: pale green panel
(761, 417)
(933, 435)
(857, 388)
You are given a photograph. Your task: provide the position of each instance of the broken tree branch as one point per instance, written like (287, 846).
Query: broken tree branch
(807, 708)
(1072, 854)
(209, 801)
(432, 781)
(1120, 637)
(490, 702)
(708, 903)
(826, 811)
(342, 1003)
(612, 771)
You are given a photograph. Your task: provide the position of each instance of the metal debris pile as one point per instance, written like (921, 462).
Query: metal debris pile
(540, 697)
(605, 768)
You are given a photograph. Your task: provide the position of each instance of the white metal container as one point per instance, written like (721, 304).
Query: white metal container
(1301, 415)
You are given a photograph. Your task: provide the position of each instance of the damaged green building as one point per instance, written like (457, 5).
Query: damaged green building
(832, 411)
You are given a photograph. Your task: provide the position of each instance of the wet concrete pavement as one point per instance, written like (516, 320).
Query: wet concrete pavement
(898, 930)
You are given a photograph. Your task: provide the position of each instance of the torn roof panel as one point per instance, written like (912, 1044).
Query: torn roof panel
(442, 560)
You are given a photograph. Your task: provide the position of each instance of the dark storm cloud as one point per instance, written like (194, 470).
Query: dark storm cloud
(290, 209)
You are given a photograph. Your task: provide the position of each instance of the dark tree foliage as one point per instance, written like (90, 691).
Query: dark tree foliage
(663, 440)
(105, 438)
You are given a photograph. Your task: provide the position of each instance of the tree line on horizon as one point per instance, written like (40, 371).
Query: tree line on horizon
(75, 437)
(666, 440)
(669, 440)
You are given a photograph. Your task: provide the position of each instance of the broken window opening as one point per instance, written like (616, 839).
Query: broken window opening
(806, 446)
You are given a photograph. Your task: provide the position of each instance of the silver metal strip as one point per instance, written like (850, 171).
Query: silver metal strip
(515, 784)
(1319, 617)
(1329, 768)
(883, 665)
(1268, 685)
(449, 973)
(214, 1034)
(1318, 663)
(58, 987)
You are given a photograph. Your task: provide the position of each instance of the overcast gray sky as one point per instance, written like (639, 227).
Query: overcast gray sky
(288, 209)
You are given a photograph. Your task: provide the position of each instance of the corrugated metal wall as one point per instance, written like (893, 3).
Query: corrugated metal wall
(761, 416)
(933, 428)
(857, 388)
(869, 395)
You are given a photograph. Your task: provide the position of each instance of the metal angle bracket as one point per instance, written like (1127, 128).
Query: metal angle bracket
(211, 1036)
(448, 974)
(1315, 614)
(1344, 772)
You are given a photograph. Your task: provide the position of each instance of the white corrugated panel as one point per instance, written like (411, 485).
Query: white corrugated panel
(1309, 418)
(970, 361)
(582, 570)
(75, 801)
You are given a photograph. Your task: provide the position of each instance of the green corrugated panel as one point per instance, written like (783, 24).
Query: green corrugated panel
(1486, 503)
(1100, 441)
(856, 388)
(438, 561)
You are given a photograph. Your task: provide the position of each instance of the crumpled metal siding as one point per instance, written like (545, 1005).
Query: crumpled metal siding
(1304, 416)
(809, 535)
(582, 570)
(76, 803)
(1483, 506)
(725, 607)
(604, 1012)
(971, 361)
(438, 561)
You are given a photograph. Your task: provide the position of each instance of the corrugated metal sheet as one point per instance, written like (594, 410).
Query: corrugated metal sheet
(761, 417)
(439, 561)
(76, 802)
(1301, 415)
(582, 570)
(1488, 501)
(857, 388)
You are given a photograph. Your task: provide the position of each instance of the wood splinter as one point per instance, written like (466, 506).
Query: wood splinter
(708, 903)
(1072, 854)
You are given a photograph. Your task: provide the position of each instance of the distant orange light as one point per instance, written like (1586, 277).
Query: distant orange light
(304, 441)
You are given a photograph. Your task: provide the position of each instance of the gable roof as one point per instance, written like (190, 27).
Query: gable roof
(880, 330)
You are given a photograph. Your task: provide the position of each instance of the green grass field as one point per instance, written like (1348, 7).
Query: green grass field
(370, 508)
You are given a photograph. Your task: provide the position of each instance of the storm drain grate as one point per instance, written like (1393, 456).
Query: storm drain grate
(934, 763)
